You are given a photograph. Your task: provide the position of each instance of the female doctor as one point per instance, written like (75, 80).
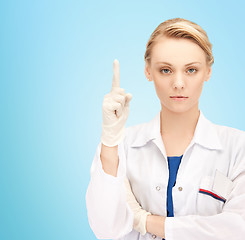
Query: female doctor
(178, 176)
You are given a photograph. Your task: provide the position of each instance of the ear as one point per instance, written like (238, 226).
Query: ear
(208, 73)
(147, 71)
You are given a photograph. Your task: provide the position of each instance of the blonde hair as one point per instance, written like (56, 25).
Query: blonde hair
(180, 28)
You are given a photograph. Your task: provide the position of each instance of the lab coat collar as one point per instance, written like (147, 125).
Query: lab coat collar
(205, 133)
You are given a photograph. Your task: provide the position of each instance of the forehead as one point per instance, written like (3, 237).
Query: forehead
(178, 50)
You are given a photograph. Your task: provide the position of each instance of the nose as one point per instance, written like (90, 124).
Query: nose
(178, 81)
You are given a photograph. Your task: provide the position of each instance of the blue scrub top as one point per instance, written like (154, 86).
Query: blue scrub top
(173, 166)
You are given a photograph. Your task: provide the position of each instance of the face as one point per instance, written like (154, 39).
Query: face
(178, 67)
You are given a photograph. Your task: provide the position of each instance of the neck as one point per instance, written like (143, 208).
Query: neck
(179, 124)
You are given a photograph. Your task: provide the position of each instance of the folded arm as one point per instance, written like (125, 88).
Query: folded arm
(229, 224)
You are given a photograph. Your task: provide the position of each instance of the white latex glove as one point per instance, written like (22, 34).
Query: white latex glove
(140, 214)
(115, 111)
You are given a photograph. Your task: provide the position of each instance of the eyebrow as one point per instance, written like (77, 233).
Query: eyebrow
(185, 64)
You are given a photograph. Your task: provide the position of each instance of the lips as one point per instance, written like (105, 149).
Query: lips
(178, 97)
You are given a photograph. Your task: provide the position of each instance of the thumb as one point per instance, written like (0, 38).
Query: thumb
(128, 98)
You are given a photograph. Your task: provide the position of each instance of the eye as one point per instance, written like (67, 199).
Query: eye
(163, 70)
(195, 70)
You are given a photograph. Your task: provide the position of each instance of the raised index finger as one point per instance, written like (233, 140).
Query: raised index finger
(116, 77)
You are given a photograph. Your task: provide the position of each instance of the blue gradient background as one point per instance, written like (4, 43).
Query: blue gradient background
(56, 67)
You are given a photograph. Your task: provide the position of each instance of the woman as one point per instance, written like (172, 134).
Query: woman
(179, 176)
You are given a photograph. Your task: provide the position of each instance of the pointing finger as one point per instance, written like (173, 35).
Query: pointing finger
(116, 77)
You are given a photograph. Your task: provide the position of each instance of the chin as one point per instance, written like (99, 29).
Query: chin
(176, 109)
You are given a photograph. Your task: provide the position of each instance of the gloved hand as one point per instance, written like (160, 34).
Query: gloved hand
(140, 214)
(115, 110)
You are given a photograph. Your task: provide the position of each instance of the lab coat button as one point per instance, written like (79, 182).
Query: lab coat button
(158, 188)
(180, 188)
(153, 236)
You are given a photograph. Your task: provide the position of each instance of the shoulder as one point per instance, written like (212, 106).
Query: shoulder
(233, 141)
(138, 135)
(132, 132)
(230, 135)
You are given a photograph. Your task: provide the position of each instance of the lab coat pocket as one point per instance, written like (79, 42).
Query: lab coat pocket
(212, 194)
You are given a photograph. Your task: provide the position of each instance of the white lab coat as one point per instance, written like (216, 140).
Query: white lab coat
(214, 162)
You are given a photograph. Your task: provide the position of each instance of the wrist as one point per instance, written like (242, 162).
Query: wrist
(156, 225)
(111, 136)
